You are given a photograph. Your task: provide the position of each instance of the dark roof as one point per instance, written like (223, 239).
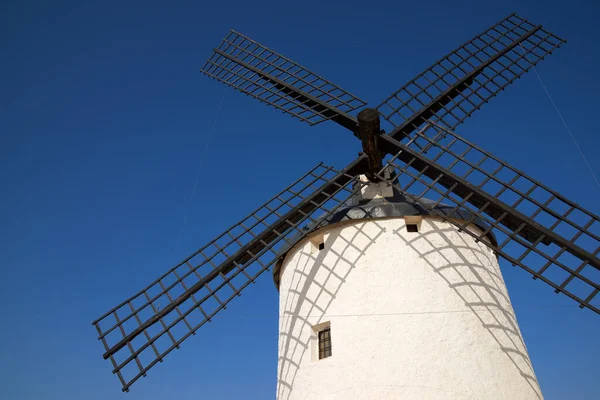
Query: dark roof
(396, 206)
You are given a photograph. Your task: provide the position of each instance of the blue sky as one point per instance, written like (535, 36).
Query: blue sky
(104, 118)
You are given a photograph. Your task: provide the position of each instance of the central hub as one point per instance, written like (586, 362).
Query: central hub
(368, 131)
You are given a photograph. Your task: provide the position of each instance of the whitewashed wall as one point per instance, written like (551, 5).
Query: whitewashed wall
(413, 316)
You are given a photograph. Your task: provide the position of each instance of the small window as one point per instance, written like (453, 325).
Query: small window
(413, 223)
(325, 343)
(317, 243)
(412, 228)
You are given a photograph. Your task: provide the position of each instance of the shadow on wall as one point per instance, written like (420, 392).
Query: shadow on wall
(314, 285)
(328, 284)
(481, 289)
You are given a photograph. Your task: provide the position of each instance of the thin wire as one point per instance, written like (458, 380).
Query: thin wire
(570, 306)
(187, 208)
(567, 128)
(564, 123)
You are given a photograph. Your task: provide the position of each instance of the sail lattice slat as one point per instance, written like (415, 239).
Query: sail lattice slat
(518, 45)
(536, 228)
(233, 62)
(142, 330)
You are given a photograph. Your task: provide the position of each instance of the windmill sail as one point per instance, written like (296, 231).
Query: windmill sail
(143, 329)
(457, 85)
(551, 237)
(255, 70)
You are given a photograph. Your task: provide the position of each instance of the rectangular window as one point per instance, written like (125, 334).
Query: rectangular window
(412, 228)
(413, 223)
(325, 343)
(317, 243)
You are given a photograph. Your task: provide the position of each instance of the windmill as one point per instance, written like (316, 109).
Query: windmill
(415, 224)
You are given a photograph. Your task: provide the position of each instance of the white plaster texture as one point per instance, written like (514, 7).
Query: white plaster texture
(413, 316)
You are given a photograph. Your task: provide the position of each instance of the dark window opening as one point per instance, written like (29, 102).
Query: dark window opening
(321, 246)
(325, 343)
(412, 228)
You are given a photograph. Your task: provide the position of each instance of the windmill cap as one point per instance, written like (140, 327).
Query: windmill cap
(395, 206)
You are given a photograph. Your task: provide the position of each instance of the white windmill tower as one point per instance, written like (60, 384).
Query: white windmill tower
(387, 270)
(388, 301)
